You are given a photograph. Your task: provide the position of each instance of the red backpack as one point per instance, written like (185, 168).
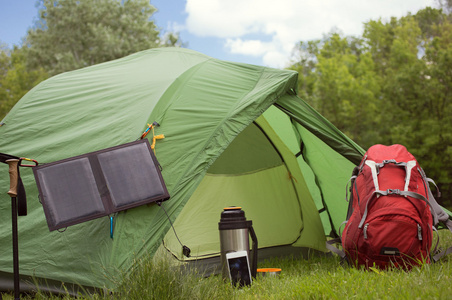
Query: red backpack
(392, 212)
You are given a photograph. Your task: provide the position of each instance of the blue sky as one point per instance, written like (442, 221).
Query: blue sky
(261, 32)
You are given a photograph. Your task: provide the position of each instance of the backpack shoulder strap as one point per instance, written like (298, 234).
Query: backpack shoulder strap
(439, 215)
(441, 254)
(442, 217)
(350, 199)
(329, 246)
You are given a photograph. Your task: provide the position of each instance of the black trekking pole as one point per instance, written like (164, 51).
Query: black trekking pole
(13, 182)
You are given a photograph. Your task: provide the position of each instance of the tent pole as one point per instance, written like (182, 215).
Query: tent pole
(13, 177)
(15, 248)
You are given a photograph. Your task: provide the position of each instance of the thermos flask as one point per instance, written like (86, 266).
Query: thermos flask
(234, 236)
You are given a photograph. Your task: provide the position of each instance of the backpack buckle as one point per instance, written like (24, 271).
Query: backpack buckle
(393, 191)
(389, 161)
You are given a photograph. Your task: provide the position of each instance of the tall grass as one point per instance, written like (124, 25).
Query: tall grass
(161, 279)
(317, 278)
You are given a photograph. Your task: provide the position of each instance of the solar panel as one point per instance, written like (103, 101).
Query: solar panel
(97, 184)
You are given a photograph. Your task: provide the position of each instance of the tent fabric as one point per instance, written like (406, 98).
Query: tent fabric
(202, 104)
(324, 168)
(310, 119)
(262, 194)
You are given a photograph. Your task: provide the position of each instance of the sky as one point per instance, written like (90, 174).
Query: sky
(260, 32)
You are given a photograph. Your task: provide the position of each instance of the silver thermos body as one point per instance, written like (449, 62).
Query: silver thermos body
(234, 236)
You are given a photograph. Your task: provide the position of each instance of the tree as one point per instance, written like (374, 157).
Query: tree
(437, 122)
(417, 79)
(445, 5)
(304, 63)
(72, 34)
(392, 85)
(15, 78)
(339, 80)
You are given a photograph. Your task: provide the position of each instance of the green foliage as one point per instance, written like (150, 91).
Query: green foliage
(339, 79)
(15, 78)
(390, 86)
(72, 34)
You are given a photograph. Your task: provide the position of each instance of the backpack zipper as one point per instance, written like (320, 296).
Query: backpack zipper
(419, 232)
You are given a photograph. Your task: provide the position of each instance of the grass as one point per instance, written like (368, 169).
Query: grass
(316, 278)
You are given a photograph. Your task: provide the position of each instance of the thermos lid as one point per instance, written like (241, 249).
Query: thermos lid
(233, 217)
(233, 213)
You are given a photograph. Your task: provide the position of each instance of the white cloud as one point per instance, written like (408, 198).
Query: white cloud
(272, 53)
(270, 29)
(248, 47)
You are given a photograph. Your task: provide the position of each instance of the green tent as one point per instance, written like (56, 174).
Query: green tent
(235, 135)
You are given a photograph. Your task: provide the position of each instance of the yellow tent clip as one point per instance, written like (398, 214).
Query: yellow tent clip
(154, 137)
